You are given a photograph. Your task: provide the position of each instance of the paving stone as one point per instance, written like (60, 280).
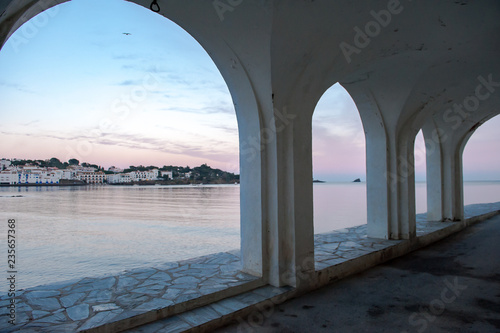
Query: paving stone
(153, 284)
(6, 327)
(172, 293)
(83, 288)
(190, 286)
(186, 297)
(143, 274)
(99, 319)
(39, 313)
(99, 296)
(173, 325)
(126, 282)
(167, 266)
(181, 268)
(22, 306)
(199, 316)
(149, 290)
(5, 302)
(156, 327)
(214, 285)
(208, 291)
(105, 307)
(232, 303)
(220, 309)
(132, 300)
(71, 299)
(41, 294)
(205, 266)
(161, 276)
(54, 319)
(78, 312)
(65, 328)
(155, 304)
(49, 304)
(105, 283)
(349, 244)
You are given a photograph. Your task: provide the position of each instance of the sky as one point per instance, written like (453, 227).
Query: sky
(129, 87)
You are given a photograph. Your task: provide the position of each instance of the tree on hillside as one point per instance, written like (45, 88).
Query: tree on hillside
(18, 162)
(73, 161)
(54, 162)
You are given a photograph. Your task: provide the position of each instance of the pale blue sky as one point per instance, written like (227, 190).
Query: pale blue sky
(71, 86)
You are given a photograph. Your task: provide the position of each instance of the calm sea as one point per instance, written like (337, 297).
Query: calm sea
(65, 233)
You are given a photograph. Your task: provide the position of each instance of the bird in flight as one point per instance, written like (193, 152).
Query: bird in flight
(127, 33)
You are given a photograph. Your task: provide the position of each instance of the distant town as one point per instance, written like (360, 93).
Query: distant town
(54, 172)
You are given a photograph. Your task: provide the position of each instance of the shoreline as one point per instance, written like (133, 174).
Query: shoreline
(42, 185)
(118, 184)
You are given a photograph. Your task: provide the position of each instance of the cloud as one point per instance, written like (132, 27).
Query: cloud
(130, 56)
(29, 123)
(16, 86)
(209, 148)
(227, 129)
(130, 83)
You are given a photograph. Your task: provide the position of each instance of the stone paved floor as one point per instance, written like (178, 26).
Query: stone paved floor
(92, 302)
(345, 244)
(341, 245)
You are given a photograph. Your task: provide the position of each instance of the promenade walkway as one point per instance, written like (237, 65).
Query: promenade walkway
(205, 293)
(450, 286)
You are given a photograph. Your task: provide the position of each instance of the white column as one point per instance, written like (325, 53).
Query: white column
(289, 229)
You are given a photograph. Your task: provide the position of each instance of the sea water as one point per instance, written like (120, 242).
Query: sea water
(65, 233)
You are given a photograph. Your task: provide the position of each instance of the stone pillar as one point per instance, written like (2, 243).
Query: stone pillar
(434, 168)
(289, 233)
(390, 179)
(444, 173)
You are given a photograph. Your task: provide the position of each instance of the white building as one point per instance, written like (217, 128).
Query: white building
(115, 169)
(91, 177)
(118, 178)
(144, 175)
(167, 173)
(30, 175)
(4, 164)
(81, 168)
(68, 174)
(8, 177)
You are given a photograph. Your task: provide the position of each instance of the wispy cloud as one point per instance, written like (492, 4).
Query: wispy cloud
(32, 122)
(209, 148)
(16, 86)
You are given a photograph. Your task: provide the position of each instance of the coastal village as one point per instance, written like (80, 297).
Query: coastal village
(54, 172)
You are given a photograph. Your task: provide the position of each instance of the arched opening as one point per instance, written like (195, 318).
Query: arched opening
(420, 174)
(125, 88)
(481, 164)
(338, 160)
